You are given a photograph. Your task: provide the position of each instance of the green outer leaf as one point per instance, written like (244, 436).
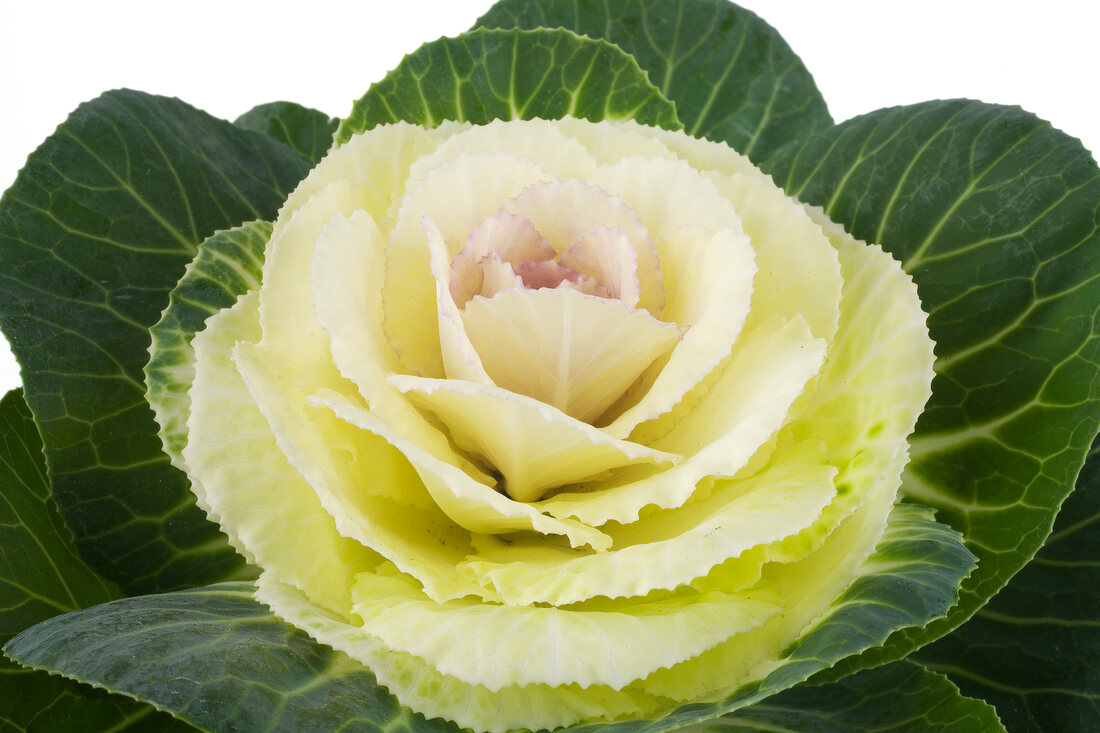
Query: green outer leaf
(732, 76)
(220, 660)
(36, 701)
(229, 263)
(234, 664)
(40, 572)
(486, 75)
(308, 132)
(899, 697)
(41, 576)
(995, 214)
(93, 234)
(1033, 650)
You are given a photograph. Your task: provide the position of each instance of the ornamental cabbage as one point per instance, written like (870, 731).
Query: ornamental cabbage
(570, 421)
(554, 421)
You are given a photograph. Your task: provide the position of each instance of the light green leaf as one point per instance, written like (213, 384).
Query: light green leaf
(234, 664)
(41, 576)
(732, 76)
(898, 698)
(96, 230)
(308, 132)
(995, 214)
(229, 264)
(219, 660)
(486, 75)
(1032, 651)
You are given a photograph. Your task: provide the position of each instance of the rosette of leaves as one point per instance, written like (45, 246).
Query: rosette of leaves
(991, 211)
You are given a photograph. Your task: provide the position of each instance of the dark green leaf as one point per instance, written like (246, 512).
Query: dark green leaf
(220, 660)
(40, 572)
(899, 698)
(229, 264)
(995, 214)
(93, 234)
(37, 702)
(233, 664)
(1033, 650)
(41, 576)
(308, 132)
(732, 76)
(486, 75)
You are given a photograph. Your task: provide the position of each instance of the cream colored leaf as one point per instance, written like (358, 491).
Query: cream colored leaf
(469, 503)
(500, 239)
(497, 275)
(873, 387)
(537, 140)
(368, 487)
(437, 695)
(379, 162)
(801, 268)
(798, 274)
(701, 153)
(576, 352)
(665, 550)
(460, 360)
(535, 446)
(563, 211)
(730, 418)
(497, 646)
(610, 141)
(348, 269)
(878, 376)
(457, 196)
(287, 318)
(709, 276)
(806, 590)
(243, 481)
(668, 196)
(607, 256)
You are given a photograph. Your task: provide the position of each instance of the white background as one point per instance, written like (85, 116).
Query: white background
(229, 55)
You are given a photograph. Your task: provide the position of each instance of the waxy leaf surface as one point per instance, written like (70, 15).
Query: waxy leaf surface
(41, 576)
(96, 230)
(1032, 650)
(901, 697)
(509, 75)
(731, 75)
(996, 215)
(308, 132)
